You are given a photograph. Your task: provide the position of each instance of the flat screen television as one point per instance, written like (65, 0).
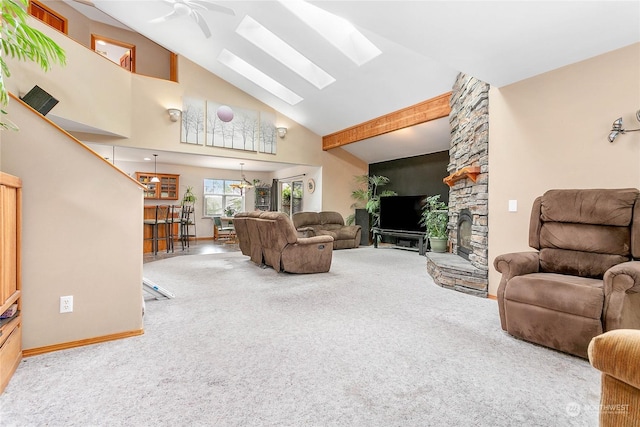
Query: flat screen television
(401, 213)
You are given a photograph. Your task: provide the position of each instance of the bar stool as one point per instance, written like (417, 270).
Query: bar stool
(186, 221)
(160, 219)
(170, 219)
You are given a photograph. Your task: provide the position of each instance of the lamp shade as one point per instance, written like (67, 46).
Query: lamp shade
(224, 113)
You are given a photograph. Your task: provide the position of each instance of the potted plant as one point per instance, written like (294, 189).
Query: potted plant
(286, 198)
(189, 198)
(367, 197)
(435, 218)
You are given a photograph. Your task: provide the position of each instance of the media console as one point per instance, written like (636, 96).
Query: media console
(411, 235)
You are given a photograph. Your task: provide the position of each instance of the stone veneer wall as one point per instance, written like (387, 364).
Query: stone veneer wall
(469, 123)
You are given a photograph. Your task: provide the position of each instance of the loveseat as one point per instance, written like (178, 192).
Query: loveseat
(616, 354)
(269, 238)
(328, 223)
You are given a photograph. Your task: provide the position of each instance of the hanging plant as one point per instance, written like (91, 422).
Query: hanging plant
(189, 197)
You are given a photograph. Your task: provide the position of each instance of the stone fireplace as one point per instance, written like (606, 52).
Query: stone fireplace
(466, 268)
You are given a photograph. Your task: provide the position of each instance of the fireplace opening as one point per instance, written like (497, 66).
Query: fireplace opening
(465, 221)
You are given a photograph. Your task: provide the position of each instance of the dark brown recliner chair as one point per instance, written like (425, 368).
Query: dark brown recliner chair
(583, 280)
(283, 250)
(248, 236)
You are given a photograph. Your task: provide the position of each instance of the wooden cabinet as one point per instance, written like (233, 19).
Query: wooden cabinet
(263, 198)
(10, 276)
(166, 189)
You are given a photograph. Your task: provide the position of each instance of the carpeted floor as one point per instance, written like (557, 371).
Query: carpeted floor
(371, 343)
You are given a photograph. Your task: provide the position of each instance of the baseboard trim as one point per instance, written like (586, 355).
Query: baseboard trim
(492, 297)
(80, 343)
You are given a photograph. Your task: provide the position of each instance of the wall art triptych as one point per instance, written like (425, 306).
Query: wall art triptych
(241, 129)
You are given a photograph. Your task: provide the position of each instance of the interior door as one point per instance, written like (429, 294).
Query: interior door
(125, 61)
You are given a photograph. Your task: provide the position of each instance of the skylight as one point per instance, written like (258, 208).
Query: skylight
(256, 76)
(277, 48)
(336, 30)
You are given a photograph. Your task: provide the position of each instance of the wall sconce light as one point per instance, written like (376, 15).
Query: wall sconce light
(616, 128)
(282, 131)
(174, 114)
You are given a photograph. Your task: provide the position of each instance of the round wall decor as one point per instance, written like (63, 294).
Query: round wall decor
(311, 186)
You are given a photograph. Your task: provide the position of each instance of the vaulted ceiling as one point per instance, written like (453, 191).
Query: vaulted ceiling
(422, 46)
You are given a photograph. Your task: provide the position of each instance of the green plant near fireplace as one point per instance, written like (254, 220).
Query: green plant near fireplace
(367, 197)
(435, 218)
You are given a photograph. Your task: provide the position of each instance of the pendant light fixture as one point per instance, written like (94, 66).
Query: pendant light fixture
(155, 169)
(244, 183)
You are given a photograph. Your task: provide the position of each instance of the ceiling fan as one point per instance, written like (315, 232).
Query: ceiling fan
(182, 8)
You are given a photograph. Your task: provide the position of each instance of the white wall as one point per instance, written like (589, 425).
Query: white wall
(82, 235)
(550, 131)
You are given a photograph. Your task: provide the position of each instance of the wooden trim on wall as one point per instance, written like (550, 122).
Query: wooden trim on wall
(173, 67)
(80, 343)
(431, 109)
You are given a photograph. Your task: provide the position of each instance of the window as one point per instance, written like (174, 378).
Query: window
(221, 199)
(48, 16)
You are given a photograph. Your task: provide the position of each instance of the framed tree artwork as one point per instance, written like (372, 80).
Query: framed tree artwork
(268, 133)
(240, 133)
(193, 121)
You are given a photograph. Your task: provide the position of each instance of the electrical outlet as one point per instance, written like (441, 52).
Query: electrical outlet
(66, 304)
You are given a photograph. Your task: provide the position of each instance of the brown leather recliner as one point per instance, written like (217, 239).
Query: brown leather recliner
(269, 238)
(583, 279)
(246, 227)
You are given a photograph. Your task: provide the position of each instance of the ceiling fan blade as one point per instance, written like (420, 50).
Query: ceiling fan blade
(203, 4)
(87, 2)
(165, 18)
(203, 25)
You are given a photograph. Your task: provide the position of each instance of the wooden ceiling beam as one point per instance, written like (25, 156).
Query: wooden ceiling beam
(431, 109)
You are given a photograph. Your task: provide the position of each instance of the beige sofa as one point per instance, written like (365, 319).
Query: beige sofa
(583, 279)
(616, 354)
(328, 223)
(269, 238)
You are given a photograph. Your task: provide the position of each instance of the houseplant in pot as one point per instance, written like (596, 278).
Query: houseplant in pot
(367, 203)
(189, 197)
(435, 218)
(367, 197)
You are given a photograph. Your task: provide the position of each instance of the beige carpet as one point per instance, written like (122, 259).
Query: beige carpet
(371, 343)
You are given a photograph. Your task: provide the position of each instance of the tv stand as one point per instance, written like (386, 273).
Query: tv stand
(411, 235)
